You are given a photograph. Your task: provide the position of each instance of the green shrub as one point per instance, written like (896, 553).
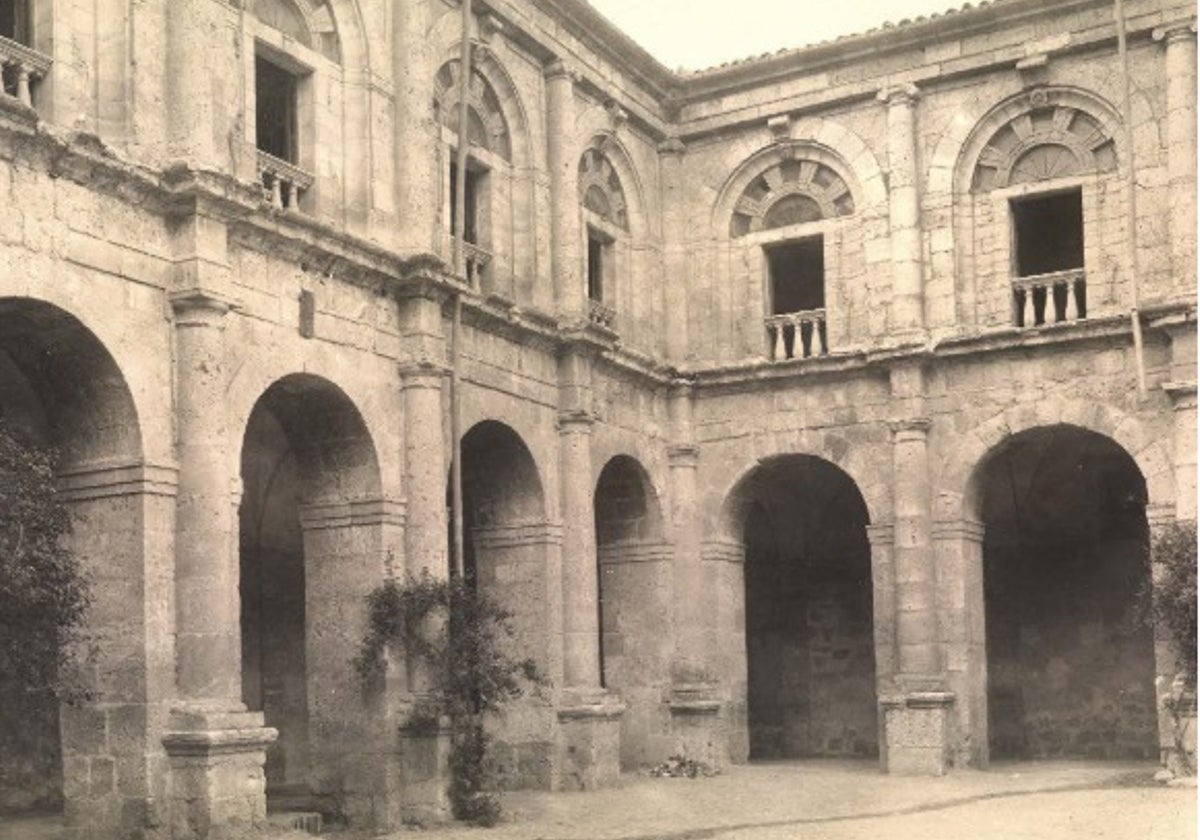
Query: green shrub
(1173, 602)
(462, 636)
(43, 600)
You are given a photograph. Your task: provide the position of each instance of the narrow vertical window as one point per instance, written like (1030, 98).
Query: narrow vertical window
(275, 110)
(1047, 240)
(796, 323)
(14, 21)
(470, 204)
(597, 259)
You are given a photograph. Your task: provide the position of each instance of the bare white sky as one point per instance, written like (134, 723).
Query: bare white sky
(694, 34)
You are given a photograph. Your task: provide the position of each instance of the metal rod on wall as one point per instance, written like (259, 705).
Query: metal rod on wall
(1131, 248)
(458, 245)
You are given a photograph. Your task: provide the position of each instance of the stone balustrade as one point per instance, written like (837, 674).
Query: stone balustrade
(475, 263)
(1044, 299)
(283, 182)
(797, 335)
(22, 68)
(601, 314)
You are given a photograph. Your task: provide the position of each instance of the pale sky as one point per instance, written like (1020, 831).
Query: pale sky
(694, 34)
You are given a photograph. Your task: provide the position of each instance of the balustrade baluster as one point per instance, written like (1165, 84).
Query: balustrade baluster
(1072, 311)
(777, 349)
(804, 331)
(291, 195)
(276, 192)
(1028, 319)
(23, 85)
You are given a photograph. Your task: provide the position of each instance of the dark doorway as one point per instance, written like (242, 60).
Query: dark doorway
(1070, 668)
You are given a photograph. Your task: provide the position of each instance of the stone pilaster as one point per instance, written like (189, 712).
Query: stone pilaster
(566, 260)
(958, 557)
(194, 121)
(882, 537)
(216, 748)
(904, 211)
(674, 224)
(1180, 41)
(353, 753)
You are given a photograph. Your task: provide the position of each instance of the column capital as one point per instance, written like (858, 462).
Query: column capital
(557, 69)
(683, 455)
(672, 147)
(1159, 516)
(905, 93)
(202, 304)
(1175, 31)
(911, 428)
(422, 373)
(971, 530)
(575, 421)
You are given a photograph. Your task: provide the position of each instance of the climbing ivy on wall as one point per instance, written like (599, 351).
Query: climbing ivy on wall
(464, 639)
(44, 596)
(1173, 603)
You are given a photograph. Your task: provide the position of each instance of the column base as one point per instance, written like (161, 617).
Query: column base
(217, 787)
(917, 732)
(588, 753)
(424, 777)
(697, 725)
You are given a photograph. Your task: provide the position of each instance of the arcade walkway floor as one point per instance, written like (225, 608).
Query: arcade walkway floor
(826, 800)
(832, 801)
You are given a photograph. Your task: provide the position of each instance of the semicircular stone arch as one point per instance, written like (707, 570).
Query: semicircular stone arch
(1034, 135)
(487, 127)
(310, 22)
(814, 142)
(600, 189)
(958, 485)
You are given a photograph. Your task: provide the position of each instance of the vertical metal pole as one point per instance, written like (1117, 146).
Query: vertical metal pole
(1131, 250)
(460, 222)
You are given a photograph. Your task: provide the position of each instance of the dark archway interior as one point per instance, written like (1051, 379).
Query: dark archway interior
(304, 442)
(59, 387)
(1070, 668)
(627, 516)
(809, 611)
(501, 488)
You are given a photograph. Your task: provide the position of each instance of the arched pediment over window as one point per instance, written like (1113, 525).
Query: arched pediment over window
(791, 191)
(310, 22)
(486, 126)
(600, 188)
(1047, 141)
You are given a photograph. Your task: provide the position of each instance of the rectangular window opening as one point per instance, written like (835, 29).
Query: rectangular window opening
(14, 20)
(797, 271)
(1048, 233)
(597, 258)
(275, 93)
(474, 185)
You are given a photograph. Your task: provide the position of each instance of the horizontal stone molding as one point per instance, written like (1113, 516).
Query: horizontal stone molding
(683, 455)
(201, 744)
(958, 529)
(349, 513)
(85, 482)
(634, 551)
(592, 711)
(918, 700)
(723, 551)
(694, 699)
(1182, 394)
(518, 535)
(881, 534)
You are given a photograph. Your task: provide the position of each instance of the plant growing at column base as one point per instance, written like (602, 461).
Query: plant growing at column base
(44, 596)
(464, 638)
(1171, 606)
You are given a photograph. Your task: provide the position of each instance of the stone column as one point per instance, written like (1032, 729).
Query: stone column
(882, 536)
(562, 156)
(1180, 40)
(674, 223)
(904, 210)
(216, 748)
(589, 717)
(917, 717)
(417, 136)
(695, 704)
(424, 755)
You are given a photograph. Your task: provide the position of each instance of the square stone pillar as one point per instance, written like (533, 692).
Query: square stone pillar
(588, 748)
(217, 788)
